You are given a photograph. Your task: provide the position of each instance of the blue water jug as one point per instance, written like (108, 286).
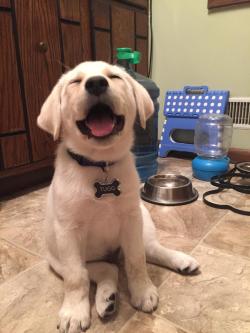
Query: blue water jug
(145, 147)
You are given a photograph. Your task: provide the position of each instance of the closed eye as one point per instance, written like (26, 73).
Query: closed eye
(78, 81)
(114, 76)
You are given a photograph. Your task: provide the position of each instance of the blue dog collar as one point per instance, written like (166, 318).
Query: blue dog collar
(85, 162)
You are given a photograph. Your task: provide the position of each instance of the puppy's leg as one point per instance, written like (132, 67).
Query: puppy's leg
(144, 294)
(105, 275)
(158, 254)
(75, 311)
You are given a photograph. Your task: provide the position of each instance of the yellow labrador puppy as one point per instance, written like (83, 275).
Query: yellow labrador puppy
(93, 205)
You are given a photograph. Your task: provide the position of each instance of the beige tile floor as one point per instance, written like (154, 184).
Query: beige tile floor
(215, 301)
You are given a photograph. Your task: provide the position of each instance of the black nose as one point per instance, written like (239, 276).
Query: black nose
(96, 85)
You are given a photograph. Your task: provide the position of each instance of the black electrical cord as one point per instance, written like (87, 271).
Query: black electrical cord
(224, 182)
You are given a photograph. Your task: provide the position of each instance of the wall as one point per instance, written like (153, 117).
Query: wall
(192, 46)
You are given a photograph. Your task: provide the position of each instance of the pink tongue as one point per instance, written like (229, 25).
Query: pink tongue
(101, 127)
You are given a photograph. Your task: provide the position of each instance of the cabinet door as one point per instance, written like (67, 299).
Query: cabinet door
(75, 27)
(123, 27)
(72, 45)
(70, 10)
(142, 47)
(141, 24)
(119, 25)
(11, 109)
(103, 46)
(14, 150)
(101, 14)
(101, 27)
(37, 22)
(5, 3)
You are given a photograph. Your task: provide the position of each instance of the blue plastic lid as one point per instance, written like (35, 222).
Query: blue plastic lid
(206, 164)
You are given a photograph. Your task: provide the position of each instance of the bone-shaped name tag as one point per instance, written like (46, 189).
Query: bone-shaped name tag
(107, 188)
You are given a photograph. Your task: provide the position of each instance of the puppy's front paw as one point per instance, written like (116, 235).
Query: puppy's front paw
(145, 297)
(106, 301)
(74, 318)
(183, 263)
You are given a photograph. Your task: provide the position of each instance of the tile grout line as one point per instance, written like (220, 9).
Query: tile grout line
(173, 323)
(22, 248)
(156, 316)
(194, 248)
(208, 233)
(199, 243)
(21, 273)
(231, 254)
(191, 252)
(127, 322)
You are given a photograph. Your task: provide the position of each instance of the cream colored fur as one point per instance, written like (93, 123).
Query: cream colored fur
(81, 229)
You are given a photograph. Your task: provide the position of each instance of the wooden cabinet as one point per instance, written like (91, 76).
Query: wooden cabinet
(11, 116)
(123, 27)
(40, 55)
(39, 40)
(117, 24)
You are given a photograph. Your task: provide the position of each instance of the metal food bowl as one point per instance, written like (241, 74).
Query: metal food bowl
(169, 189)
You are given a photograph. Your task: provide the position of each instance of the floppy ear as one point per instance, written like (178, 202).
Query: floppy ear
(145, 106)
(49, 118)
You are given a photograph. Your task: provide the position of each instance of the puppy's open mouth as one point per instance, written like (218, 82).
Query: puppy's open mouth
(101, 122)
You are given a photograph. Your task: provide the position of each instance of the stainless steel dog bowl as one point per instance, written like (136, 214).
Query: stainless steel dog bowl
(169, 189)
